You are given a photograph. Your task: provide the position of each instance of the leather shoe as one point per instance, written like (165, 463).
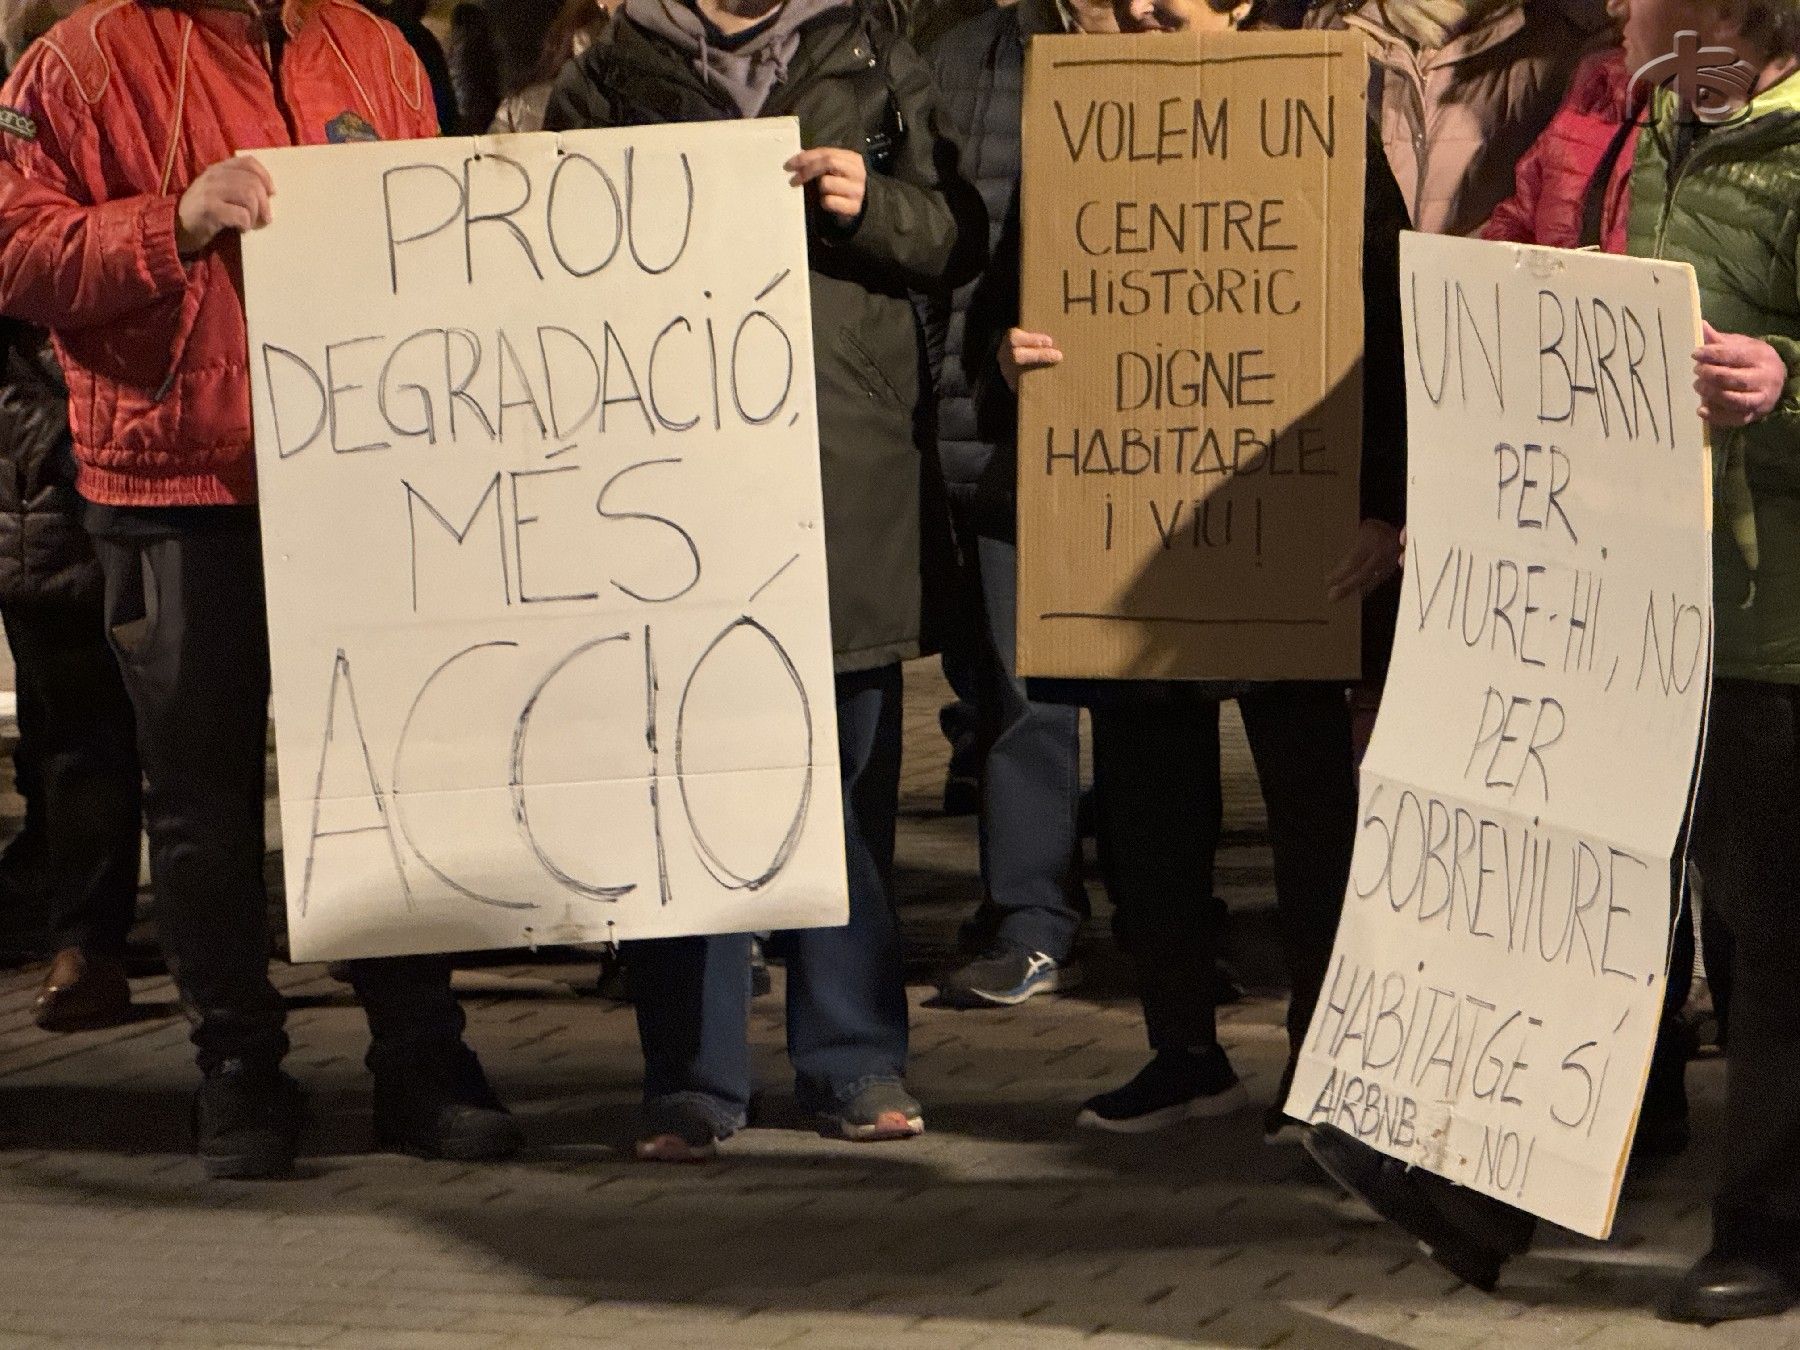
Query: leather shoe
(1409, 1199)
(436, 1103)
(83, 993)
(1725, 1288)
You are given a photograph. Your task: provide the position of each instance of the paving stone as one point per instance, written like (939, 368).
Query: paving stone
(1002, 1228)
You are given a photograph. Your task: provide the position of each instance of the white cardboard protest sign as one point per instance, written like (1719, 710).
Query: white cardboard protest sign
(538, 453)
(1493, 999)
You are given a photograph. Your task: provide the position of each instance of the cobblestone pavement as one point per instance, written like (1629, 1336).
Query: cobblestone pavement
(1002, 1229)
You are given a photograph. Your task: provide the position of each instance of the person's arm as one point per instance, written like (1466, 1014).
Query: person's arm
(577, 102)
(993, 313)
(1515, 220)
(66, 263)
(921, 221)
(1376, 555)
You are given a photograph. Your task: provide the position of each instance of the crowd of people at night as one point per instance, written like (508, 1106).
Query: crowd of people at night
(131, 569)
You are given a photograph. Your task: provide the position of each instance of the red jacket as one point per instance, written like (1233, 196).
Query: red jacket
(1549, 205)
(112, 116)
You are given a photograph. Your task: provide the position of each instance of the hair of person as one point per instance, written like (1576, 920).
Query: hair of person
(576, 19)
(475, 66)
(1773, 25)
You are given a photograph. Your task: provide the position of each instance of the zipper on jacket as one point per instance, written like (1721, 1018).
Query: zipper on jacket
(1695, 151)
(272, 67)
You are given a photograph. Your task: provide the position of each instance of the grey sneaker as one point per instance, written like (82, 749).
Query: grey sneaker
(1006, 979)
(880, 1112)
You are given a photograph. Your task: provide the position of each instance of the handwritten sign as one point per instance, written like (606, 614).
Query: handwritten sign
(538, 449)
(1499, 974)
(1192, 238)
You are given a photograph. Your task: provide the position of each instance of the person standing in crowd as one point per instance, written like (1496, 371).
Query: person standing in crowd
(574, 31)
(1714, 191)
(1573, 191)
(1156, 744)
(1461, 89)
(494, 47)
(409, 17)
(72, 708)
(887, 213)
(1030, 782)
(121, 198)
(1572, 188)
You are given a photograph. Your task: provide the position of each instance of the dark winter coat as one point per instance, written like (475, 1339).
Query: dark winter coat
(45, 556)
(980, 69)
(1555, 179)
(922, 227)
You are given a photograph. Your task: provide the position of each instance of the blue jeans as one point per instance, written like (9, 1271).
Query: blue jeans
(846, 992)
(1031, 788)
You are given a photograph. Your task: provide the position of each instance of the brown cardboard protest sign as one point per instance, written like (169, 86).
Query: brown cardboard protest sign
(1192, 228)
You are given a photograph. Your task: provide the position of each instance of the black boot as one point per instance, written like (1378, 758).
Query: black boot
(436, 1103)
(1727, 1287)
(1467, 1234)
(246, 1122)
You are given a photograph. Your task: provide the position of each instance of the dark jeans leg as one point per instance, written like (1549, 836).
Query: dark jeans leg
(1747, 837)
(1156, 778)
(693, 1009)
(1718, 945)
(186, 618)
(410, 1007)
(1031, 794)
(1665, 1094)
(84, 755)
(846, 1000)
(1300, 737)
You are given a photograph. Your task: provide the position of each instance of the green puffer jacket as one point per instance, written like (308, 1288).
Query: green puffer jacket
(887, 536)
(1733, 211)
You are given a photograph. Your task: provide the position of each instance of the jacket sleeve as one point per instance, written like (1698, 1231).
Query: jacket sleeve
(426, 122)
(577, 101)
(923, 222)
(1514, 220)
(1384, 347)
(67, 264)
(993, 309)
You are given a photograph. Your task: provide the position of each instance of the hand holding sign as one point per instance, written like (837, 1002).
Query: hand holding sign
(1739, 379)
(232, 195)
(1376, 557)
(1024, 351)
(842, 177)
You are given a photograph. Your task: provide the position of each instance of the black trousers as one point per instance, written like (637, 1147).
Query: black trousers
(184, 605)
(1747, 842)
(84, 788)
(1157, 791)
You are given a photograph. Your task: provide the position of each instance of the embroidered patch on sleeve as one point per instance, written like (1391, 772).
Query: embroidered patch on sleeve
(18, 124)
(347, 127)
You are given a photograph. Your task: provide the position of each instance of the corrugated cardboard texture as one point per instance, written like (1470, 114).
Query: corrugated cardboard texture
(1188, 477)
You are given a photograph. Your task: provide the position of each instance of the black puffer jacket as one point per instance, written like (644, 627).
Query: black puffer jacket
(980, 70)
(886, 529)
(45, 556)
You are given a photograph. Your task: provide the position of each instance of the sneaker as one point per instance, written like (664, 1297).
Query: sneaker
(879, 1113)
(680, 1131)
(1007, 979)
(440, 1106)
(1173, 1087)
(246, 1122)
